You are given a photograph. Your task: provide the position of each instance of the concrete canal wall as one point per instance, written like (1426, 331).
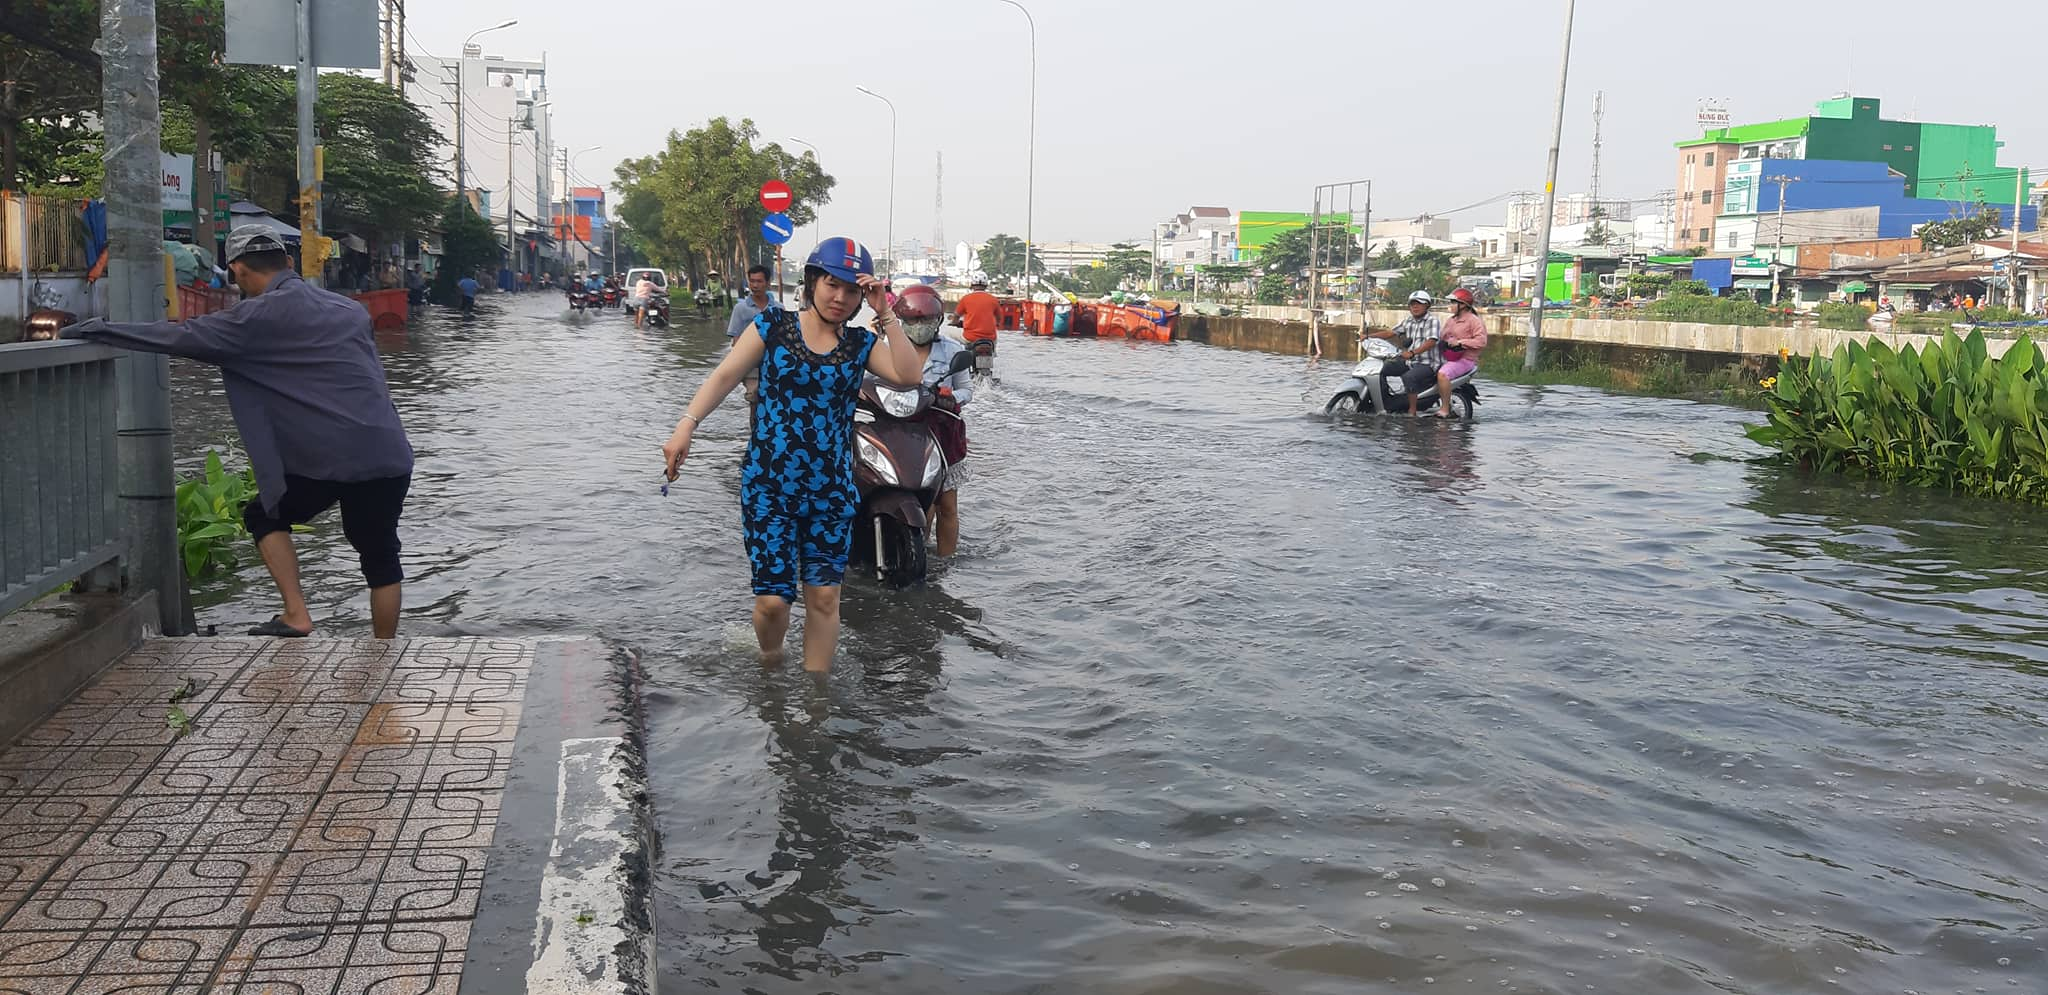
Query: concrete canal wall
(1286, 331)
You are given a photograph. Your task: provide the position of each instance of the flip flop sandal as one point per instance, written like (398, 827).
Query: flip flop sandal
(276, 629)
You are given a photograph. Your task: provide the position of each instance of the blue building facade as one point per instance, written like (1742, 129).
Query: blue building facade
(1826, 184)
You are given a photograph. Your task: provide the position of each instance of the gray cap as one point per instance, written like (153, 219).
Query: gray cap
(252, 238)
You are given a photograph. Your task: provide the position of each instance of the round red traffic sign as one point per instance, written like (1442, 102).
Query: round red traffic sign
(776, 196)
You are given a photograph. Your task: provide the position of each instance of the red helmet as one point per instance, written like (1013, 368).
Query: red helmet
(919, 302)
(1463, 296)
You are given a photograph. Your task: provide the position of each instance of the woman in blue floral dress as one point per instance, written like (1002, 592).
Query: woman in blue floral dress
(796, 491)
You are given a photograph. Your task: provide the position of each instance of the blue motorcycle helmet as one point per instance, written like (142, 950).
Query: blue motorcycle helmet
(839, 257)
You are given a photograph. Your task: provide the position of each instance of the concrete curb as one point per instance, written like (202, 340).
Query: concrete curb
(567, 907)
(594, 931)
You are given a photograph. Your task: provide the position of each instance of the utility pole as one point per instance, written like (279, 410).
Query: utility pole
(134, 195)
(398, 42)
(2012, 266)
(1779, 250)
(511, 243)
(1315, 314)
(312, 251)
(1550, 197)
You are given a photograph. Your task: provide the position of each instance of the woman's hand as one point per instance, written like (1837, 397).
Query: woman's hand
(877, 294)
(676, 450)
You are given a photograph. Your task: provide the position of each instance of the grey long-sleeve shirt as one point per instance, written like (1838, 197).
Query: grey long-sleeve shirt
(303, 381)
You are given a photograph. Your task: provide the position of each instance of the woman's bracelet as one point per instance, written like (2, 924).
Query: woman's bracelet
(694, 420)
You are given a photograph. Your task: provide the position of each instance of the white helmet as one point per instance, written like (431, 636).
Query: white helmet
(1422, 297)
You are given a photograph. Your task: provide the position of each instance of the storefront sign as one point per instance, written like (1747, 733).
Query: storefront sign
(177, 191)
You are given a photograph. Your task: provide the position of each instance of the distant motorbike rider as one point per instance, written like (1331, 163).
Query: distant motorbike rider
(976, 316)
(922, 314)
(1418, 336)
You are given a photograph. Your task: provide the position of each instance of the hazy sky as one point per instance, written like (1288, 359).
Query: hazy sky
(1146, 107)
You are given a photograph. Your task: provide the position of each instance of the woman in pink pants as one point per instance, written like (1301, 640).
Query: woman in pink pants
(1464, 335)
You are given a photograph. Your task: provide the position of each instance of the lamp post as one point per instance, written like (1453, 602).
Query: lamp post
(892, 174)
(1031, 146)
(462, 59)
(1549, 199)
(817, 217)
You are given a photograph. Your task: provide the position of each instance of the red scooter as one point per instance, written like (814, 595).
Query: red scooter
(898, 470)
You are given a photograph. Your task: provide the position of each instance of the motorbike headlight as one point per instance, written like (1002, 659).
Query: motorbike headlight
(898, 403)
(872, 456)
(934, 468)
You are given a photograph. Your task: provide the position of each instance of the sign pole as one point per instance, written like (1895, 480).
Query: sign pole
(311, 252)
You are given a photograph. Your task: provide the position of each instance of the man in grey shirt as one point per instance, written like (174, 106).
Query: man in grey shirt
(309, 397)
(756, 300)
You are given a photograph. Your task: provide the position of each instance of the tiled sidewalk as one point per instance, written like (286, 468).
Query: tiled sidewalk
(320, 826)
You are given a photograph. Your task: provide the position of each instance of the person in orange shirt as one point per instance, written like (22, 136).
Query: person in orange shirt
(976, 316)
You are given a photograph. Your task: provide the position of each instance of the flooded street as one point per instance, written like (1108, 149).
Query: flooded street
(1224, 697)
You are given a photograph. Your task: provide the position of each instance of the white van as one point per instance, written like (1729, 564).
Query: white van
(632, 281)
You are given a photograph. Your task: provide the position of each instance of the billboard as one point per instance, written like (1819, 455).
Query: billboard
(1713, 114)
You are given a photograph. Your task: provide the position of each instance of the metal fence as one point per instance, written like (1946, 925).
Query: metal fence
(59, 515)
(48, 230)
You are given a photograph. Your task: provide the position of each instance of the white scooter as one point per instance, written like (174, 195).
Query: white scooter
(1373, 390)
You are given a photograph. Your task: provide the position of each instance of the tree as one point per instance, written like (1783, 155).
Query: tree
(1003, 255)
(1129, 262)
(1087, 281)
(381, 153)
(1432, 276)
(704, 189)
(42, 99)
(1287, 252)
(1389, 258)
(1597, 233)
(468, 244)
(1273, 289)
(1959, 231)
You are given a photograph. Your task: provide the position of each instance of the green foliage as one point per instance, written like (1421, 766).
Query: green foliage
(1389, 258)
(1649, 284)
(1287, 252)
(1959, 231)
(1656, 376)
(1993, 314)
(1710, 310)
(1273, 289)
(468, 245)
(1087, 281)
(1844, 316)
(1598, 233)
(1003, 256)
(1434, 277)
(1947, 416)
(701, 193)
(1129, 262)
(1226, 273)
(210, 517)
(382, 153)
(1692, 288)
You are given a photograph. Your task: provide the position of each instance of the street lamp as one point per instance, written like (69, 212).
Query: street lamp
(1550, 199)
(892, 173)
(1031, 147)
(461, 58)
(817, 216)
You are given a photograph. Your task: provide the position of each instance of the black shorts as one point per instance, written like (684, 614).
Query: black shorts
(369, 518)
(1420, 377)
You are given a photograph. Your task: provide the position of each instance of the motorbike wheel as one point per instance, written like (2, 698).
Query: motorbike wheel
(1345, 403)
(901, 561)
(1461, 406)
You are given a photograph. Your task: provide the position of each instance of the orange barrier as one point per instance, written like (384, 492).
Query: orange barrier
(388, 309)
(194, 301)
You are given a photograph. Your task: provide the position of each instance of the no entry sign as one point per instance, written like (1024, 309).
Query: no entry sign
(777, 228)
(776, 196)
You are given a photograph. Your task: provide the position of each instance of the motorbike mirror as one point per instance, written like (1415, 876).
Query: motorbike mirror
(961, 361)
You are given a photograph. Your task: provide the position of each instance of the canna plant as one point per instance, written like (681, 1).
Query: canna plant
(210, 517)
(1947, 416)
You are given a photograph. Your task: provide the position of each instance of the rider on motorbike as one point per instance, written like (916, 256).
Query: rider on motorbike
(976, 316)
(1464, 335)
(922, 314)
(1417, 336)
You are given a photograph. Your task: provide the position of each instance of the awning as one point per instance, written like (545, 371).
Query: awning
(1910, 286)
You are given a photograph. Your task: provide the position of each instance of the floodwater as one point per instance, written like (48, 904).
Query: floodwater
(1222, 696)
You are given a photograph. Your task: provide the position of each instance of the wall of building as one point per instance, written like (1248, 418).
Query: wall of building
(1830, 225)
(1700, 168)
(1853, 128)
(1817, 256)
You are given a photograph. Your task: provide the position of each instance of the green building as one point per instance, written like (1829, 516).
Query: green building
(1256, 228)
(1951, 162)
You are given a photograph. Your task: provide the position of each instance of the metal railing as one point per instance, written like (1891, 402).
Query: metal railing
(59, 509)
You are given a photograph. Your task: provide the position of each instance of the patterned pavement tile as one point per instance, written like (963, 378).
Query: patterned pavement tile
(319, 827)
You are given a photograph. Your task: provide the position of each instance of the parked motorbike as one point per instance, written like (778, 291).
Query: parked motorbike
(1374, 389)
(898, 470)
(657, 311)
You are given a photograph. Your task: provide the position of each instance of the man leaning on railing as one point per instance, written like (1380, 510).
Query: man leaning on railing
(309, 396)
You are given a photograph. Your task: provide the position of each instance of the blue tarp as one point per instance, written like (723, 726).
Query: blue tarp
(1717, 274)
(95, 216)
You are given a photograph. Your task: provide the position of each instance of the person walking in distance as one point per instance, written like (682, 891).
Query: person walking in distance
(797, 496)
(310, 400)
(756, 300)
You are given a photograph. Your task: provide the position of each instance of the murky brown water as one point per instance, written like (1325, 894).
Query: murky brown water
(1224, 697)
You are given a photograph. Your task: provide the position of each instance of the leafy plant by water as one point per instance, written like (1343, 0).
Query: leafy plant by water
(1947, 416)
(210, 517)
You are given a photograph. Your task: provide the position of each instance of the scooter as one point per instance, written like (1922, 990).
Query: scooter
(657, 310)
(612, 296)
(984, 352)
(577, 301)
(1372, 389)
(703, 299)
(898, 470)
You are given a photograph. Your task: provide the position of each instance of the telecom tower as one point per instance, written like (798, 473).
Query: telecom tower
(938, 250)
(1599, 111)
